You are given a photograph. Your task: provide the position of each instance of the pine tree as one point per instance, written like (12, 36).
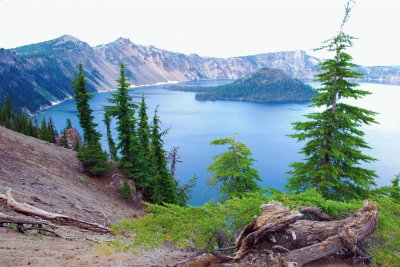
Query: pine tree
(64, 141)
(165, 186)
(43, 131)
(51, 131)
(35, 129)
(334, 140)
(143, 179)
(82, 97)
(126, 189)
(110, 140)
(232, 170)
(7, 112)
(123, 110)
(69, 124)
(94, 159)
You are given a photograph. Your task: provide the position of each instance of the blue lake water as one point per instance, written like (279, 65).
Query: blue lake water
(262, 127)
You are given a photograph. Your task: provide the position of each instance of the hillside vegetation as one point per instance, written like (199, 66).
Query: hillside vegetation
(194, 227)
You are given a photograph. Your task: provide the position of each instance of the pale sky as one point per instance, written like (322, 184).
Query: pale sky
(217, 28)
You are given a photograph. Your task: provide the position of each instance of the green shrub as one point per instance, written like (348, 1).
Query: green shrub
(94, 159)
(80, 178)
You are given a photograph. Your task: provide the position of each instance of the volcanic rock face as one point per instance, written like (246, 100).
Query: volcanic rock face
(70, 139)
(40, 74)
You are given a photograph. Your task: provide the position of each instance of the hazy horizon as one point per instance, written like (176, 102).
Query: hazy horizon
(218, 28)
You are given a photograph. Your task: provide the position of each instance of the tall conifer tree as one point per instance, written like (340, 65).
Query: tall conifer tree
(94, 159)
(165, 186)
(52, 131)
(334, 140)
(43, 131)
(82, 97)
(144, 175)
(124, 110)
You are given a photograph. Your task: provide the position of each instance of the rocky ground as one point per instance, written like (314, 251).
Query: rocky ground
(51, 178)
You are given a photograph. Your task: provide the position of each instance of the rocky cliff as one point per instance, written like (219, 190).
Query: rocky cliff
(39, 74)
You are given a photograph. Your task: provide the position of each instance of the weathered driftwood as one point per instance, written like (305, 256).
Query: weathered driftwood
(281, 237)
(60, 219)
(7, 219)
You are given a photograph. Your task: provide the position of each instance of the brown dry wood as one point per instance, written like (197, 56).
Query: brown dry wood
(274, 217)
(315, 213)
(29, 210)
(4, 218)
(289, 240)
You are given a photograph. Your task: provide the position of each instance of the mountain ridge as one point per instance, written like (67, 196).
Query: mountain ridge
(52, 65)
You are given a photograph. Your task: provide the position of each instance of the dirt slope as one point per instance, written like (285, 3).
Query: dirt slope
(47, 176)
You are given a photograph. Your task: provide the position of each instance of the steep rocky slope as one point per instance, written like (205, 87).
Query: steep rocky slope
(36, 169)
(50, 177)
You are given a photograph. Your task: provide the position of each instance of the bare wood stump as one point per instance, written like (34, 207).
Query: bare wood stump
(281, 237)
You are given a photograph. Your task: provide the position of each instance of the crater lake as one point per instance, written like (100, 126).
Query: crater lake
(263, 127)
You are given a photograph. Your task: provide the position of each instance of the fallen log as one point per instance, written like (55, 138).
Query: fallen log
(281, 237)
(7, 219)
(60, 219)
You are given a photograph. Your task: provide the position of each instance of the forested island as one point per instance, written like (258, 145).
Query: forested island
(265, 85)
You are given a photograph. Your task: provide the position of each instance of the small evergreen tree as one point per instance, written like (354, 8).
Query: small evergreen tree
(35, 129)
(165, 188)
(7, 112)
(51, 131)
(94, 159)
(64, 141)
(334, 140)
(110, 140)
(126, 189)
(232, 170)
(395, 192)
(69, 124)
(43, 131)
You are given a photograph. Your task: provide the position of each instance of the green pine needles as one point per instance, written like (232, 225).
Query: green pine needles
(124, 110)
(141, 146)
(22, 123)
(91, 154)
(232, 170)
(143, 178)
(165, 186)
(335, 144)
